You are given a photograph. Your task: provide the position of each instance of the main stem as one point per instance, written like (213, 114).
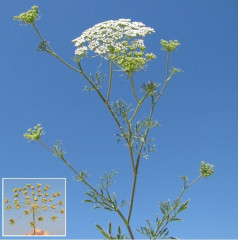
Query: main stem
(137, 165)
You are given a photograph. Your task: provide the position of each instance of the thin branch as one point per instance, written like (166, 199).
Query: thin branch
(41, 37)
(50, 51)
(166, 78)
(90, 82)
(68, 164)
(167, 65)
(133, 87)
(138, 107)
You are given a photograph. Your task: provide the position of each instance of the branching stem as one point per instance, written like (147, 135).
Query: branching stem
(92, 188)
(138, 107)
(165, 218)
(68, 164)
(80, 70)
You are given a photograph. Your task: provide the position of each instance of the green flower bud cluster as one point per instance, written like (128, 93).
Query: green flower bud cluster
(169, 46)
(206, 169)
(133, 61)
(28, 17)
(35, 133)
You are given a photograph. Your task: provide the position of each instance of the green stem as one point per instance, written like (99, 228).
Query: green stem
(122, 216)
(50, 51)
(167, 78)
(68, 164)
(194, 181)
(90, 82)
(133, 87)
(130, 147)
(110, 81)
(126, 223)
(41, 37)
(138, 107)
(137, 166)
(63, 61)
(46, 146)
(132, 197)
(167, 66)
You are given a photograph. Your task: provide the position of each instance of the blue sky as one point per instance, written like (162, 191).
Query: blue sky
(198, 112)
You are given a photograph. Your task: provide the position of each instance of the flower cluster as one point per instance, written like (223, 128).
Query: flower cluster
(34, 134)
(206, 169)
(34, 200)
(28, 17)
(169, 46)
(118, 40)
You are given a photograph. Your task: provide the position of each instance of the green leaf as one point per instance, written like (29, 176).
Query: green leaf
(119, 230)
(88, 201)
(183, 207)
(102, 231)
(177, 219)
(110, 228)
(96, 207)
(109, 209)
(89, 194)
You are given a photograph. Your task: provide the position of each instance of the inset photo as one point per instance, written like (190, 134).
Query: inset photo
(34, 206)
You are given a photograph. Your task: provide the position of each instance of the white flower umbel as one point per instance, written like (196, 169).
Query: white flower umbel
(118, 40)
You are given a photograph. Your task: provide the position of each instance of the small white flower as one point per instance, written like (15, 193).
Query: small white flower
(93, 44)
(82, 51)
(105, 36)
(138, 43)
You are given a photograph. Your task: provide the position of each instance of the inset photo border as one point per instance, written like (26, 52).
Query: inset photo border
(33, 207)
